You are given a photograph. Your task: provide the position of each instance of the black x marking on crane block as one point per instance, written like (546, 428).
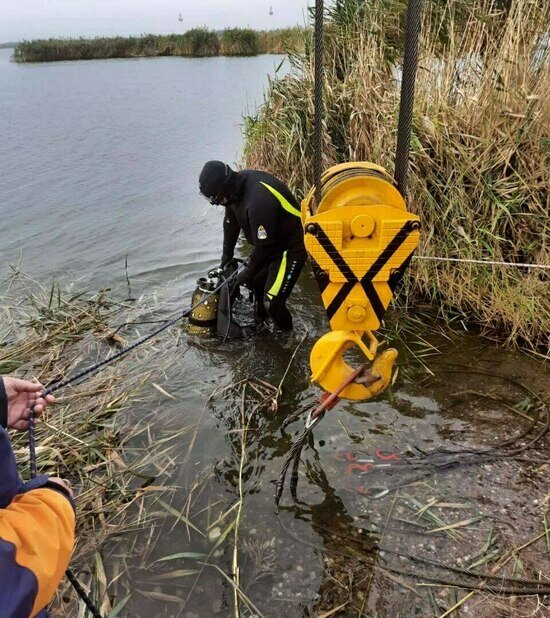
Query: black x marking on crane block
(366, 280)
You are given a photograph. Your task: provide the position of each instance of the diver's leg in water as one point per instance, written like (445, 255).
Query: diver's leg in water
(279, 313)
(282, 276)
(258, 286)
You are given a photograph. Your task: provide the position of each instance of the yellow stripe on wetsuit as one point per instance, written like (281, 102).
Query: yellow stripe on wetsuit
(283, 201)
(277, 284)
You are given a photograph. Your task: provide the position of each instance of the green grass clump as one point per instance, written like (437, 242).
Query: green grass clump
(480, 158)
(282, 41)
(198, 42)
(239, 42)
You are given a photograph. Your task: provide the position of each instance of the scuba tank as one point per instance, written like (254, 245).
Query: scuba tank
(204, 315)
(212, 312)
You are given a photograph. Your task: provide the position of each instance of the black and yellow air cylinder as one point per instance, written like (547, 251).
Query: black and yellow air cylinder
(204, 315)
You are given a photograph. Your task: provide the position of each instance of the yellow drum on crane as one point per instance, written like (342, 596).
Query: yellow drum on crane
(360, 239)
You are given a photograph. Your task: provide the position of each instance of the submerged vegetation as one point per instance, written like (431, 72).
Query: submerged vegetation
(92, 437)
(198, 42)
(163, 533)
(480, 168)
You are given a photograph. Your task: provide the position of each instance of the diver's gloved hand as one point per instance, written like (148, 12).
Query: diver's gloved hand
(226, 262)
(215, 272)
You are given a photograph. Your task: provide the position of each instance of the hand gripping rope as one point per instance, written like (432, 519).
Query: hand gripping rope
(88, 371)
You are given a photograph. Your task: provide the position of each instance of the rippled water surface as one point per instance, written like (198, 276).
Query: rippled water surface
(98, 164)
(100, 159)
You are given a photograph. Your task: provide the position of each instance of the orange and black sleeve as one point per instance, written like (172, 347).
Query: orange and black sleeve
(36, 540)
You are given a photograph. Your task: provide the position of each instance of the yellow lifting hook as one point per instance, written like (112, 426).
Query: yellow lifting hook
(360, 240)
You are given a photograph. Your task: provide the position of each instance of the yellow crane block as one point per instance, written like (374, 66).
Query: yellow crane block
(360, 239)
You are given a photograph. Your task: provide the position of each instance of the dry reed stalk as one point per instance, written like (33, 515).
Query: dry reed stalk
(480, 147)
(92, 435)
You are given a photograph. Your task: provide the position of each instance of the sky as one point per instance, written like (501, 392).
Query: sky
(30, 19)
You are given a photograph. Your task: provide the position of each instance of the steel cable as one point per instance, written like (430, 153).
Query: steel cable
(318, 102)
(110, 360)
(410, 64)
(314, 417)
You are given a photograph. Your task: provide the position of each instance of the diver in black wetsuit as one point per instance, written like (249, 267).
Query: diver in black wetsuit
(269, 215)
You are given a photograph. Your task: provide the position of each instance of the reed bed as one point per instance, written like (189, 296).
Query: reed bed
(239, 42)
(480, 154)
(97, 435)
(282, 41)
(198, 42)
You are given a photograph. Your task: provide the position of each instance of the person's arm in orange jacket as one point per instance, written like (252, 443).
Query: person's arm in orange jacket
(37, 518)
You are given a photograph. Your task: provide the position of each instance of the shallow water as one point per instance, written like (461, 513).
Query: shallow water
(99, 160)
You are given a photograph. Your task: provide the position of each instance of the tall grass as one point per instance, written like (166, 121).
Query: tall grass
(197, 42)
(282, 41)
(239, 42)
(480, 160)
(114, 457)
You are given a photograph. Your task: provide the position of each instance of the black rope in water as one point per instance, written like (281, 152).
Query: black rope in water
(318, 102)
(114, 357)
(87, 372)
(293, 455)
(296, 450)
(83, 594)
(110, 360)
(410, 63)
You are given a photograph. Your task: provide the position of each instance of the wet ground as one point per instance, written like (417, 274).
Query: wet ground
(376, 477)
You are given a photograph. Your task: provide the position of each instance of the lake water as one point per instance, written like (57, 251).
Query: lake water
(100, 160)
(98, 163)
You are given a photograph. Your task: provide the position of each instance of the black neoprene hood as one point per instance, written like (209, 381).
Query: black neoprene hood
(215, 179)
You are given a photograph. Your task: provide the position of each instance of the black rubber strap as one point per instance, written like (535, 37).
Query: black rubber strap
(334, 255)
(388, 252)
(397, 274)
(340, 298)
(320, 275)
(366, 280)
(205, 323)
(374, 299)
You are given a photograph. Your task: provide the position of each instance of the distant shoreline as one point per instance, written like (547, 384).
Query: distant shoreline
(8, 45)
(199, 42)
